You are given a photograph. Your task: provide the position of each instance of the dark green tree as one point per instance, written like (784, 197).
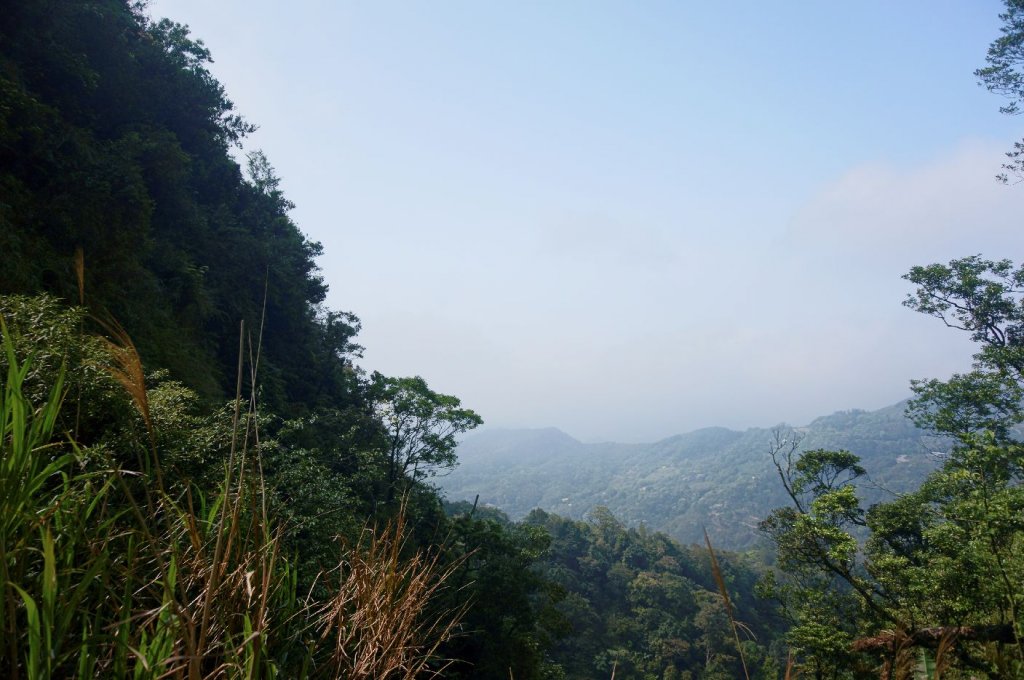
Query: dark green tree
(639, 603)
(511, 621)
(114, 141)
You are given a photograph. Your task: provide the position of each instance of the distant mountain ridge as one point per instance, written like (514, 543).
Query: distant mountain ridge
(715, 477)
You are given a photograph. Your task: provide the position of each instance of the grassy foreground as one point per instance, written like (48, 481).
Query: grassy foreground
(106, 570)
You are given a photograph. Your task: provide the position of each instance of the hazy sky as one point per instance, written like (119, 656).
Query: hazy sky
(632, 219)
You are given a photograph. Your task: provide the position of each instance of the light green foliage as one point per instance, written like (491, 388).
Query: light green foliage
(51, 339)
(819, 471)
(33, 485)
(108, 573)
(986, 299)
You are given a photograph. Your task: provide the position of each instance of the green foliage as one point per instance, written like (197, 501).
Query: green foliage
(946, 557)
(986, 299)
(145, 531)
(108, 572)
(640, 603)
(714, 477)
(511, 621)
(53, 335)
(114, 141)
(420, 428)
(1003, 73)
(820, 471)
(182, 541)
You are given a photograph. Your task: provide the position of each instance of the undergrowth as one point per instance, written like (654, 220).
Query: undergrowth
(110, 569)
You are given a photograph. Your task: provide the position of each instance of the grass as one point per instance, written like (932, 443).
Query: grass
(104, 572)
(716, 571)
(374, 623)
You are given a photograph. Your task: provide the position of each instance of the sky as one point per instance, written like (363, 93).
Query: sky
(630, 220)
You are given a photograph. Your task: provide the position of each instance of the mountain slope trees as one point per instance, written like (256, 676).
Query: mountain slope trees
(943, 564)
(119, 193)
(115, 141)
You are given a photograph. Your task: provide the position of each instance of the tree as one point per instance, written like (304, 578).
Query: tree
(511, 610)
(940, 567)
(420, 428)
(826, 587)
(986, 299)
(1003, 75)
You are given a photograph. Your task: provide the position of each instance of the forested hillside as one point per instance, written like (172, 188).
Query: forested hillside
(716, 478)
(114, 144)
(198, 480)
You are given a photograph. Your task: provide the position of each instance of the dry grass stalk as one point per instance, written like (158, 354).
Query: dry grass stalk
(944, 653)
(720, 582)
(229, 589)
(218, 551)
(377, 619)
(80, 273)
(219, 579)
(126, 367)
(792, 673)
(196, 592)
(901, 662)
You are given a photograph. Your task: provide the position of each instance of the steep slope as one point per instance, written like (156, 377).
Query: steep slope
(118, 188)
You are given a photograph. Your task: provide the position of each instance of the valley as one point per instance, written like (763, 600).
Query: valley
(713, 477)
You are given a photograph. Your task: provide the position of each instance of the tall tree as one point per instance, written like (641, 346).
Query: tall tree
(420, 429)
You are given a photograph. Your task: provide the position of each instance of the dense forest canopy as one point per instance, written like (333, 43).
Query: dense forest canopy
(115, 141)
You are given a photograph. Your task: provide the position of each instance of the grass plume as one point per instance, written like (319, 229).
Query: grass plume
(724, 592)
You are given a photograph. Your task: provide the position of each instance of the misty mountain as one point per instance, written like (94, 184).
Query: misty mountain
(715, 477)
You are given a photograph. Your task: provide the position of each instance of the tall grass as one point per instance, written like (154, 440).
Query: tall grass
(716, 571)
(34, 497)
(374, 623)
(104, 572)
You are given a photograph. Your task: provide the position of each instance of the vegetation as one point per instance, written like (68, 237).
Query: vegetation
(937, 580)
(105, 571)
(941, 567)
(718, 478)
(224, 541)
(197, 480)
(114, 142)
(1002, 75)
(643, 606)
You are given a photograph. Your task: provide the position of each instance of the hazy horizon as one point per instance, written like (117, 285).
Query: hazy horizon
(488, 428)
(631, 220)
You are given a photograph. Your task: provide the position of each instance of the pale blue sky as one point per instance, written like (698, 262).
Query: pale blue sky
(631, 219)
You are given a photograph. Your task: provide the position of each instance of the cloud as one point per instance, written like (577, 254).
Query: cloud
(616, 327)
(886, 211)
